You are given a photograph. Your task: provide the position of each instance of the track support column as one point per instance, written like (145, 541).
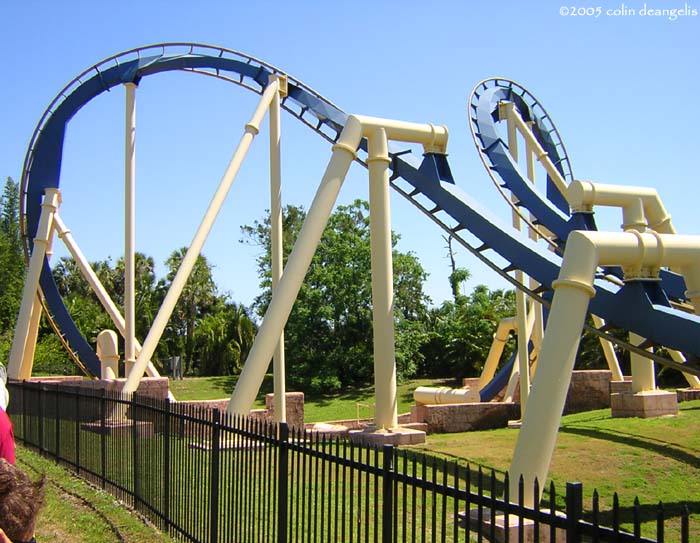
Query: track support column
(276, 233)
(15, 366)
(385, 414)
(298, 263)
(129, 229)
(508, 112)
(205, 226)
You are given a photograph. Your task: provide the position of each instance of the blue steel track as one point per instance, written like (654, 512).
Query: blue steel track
(633, 307)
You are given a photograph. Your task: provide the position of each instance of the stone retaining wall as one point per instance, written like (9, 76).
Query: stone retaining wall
(589, 390)
(465, 417)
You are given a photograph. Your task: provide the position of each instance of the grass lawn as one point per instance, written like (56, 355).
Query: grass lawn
(654, 459)
(345, 405)
(80, 513)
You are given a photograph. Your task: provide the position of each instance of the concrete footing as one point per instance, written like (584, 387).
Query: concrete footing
(393, 436)
(688, 394)
(119, 428)
(647, 404)
(513, 530)
(464, 417)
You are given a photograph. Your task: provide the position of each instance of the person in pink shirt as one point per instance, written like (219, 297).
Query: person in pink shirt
(7, 435)
(7, 438)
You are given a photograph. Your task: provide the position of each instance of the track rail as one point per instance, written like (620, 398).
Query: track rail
(427, 184)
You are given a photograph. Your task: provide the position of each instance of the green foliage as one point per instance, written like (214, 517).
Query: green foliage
(460, 333)
(51, 358)
(223, 339)
(85, 308)
(12, 265)
(218, 348)
(456, 278)
(198, 298)
(590, 354)
(329, 332)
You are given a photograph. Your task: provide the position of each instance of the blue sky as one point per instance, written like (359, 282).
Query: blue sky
(620, 88)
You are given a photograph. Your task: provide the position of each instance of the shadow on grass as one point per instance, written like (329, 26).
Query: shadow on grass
(660, 447)
(646, 514)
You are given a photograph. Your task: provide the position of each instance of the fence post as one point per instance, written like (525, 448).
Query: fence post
(282, 482)
(166, 467)
(214, 482)
(103, 438)
(58, 421)
(135, 449)
(24, 411)
(574, 508)
(76, 391)
(387, 494)
(41, 418)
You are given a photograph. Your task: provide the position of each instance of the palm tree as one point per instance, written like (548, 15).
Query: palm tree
(223, 339)
(196, 301)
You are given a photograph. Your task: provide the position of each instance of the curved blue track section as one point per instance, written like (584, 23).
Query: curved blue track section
(630, 307)
(500, 380)
(551, 211)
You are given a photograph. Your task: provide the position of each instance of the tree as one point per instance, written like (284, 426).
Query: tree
(457, 275)
(12, 264)
(460, 333)
(84, 305)
(329, 332)
(197, 299)
(223, 339)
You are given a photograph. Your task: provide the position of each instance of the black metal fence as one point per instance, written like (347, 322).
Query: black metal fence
(205, 476)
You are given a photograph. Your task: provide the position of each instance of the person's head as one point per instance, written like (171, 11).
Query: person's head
(20, 501)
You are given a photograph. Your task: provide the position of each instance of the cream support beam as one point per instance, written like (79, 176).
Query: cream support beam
(280, 404)
(32, 335)
(433, 138)
(693, 380)
(129, 228)
(183, 272)
(643, 373)
(507, 110)
(609, 352)
(49, 205)
(641, 206)
(573, 290)
(103, 296)
(538, 327)
(108, 354)
(540, 153)
(298, 263)
(385, 412)
(33, 332)
(505, 327)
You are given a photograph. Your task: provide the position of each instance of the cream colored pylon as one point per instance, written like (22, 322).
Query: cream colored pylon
(16, 362)
(130, 228)
(108, 354)
(96, 286)
(637, 253)
(434, 139)
(276, 246)
(195, 248)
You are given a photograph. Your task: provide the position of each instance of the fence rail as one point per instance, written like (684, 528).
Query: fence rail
(205, 476)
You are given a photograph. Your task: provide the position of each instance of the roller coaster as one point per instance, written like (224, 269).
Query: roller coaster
(656, 307)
